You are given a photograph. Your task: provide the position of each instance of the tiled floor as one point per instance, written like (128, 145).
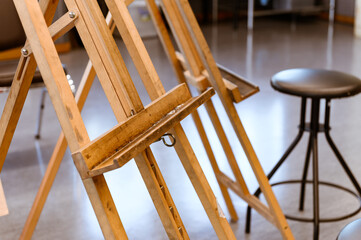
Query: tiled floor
(269, 117)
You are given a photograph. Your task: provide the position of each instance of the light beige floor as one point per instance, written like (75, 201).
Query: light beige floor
(270, 119)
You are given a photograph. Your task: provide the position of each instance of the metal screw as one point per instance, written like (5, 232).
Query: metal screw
(24, 51)
(72, 14)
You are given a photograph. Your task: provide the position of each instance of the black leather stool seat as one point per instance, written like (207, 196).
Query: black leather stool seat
(315, 83)
(7, 71)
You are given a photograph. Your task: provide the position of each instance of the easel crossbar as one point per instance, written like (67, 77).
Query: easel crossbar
(59, 28)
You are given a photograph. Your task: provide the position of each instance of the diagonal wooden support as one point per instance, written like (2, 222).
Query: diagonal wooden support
(120, 91)
(57, 29)
(200, 69)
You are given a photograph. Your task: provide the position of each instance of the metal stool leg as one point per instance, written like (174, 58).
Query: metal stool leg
(282, 160)
(335, 150)
(40, 115)
(304, 175)
(314, 131)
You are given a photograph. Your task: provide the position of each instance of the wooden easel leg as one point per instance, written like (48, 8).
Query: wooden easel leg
(226, 146)
(104, 208)
(201, 185)
(55, 160)
(14, 103)
(275, 209)
(165, 39)
(161, 197)
(44, 188)
(214, 164)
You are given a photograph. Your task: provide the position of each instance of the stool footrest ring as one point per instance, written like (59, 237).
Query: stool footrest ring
(322, 219)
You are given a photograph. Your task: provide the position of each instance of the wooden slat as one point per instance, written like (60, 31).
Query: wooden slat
(100, 58)
(214, 164)
(136, 48)
(185, 43)
(159, 199)
(201, 185)
(14, 104)
(119, 75)
(58, 28)
(107, 144)
(15, 53)
(104, 207)
(165, 39)
(168, 198)
(251, 200)
(152, 134)
(227, 149)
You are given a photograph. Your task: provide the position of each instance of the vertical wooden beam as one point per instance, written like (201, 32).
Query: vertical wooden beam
(136, 48)
(162, 200)
(165, 39)
(182, 37)
(201, 185)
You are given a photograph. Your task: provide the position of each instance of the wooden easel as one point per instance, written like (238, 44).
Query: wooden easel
(138, 126)
(196, 66)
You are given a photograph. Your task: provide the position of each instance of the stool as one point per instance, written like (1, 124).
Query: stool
(316, 85)
(351, 231)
